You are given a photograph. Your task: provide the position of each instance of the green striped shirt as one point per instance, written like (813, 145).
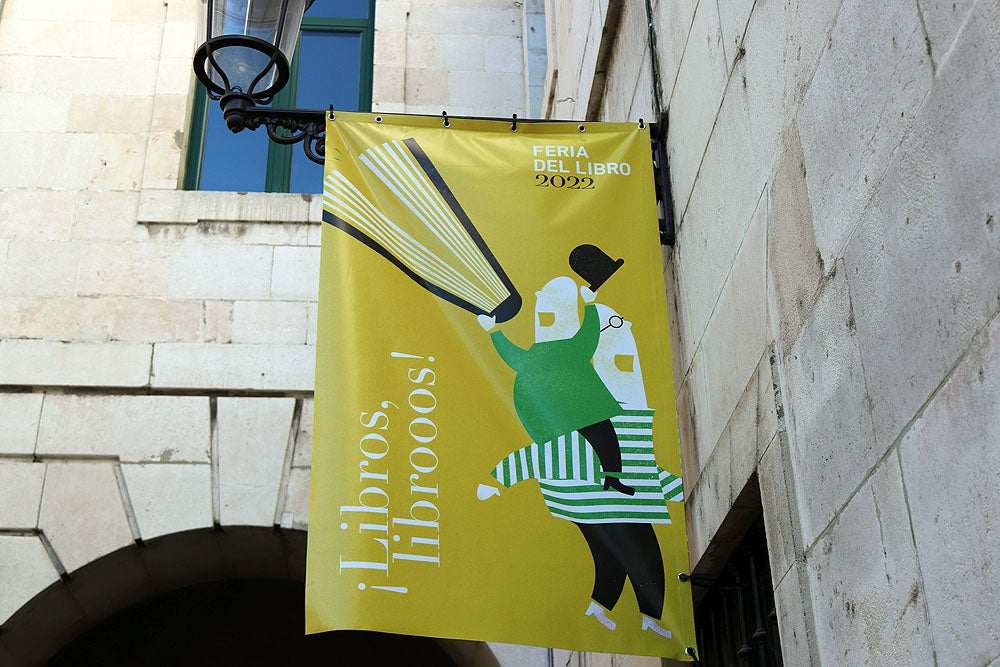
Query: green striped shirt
(571, 479)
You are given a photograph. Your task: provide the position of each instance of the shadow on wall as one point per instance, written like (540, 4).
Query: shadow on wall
(205, 597)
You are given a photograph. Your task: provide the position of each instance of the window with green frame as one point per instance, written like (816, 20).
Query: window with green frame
(332, 65)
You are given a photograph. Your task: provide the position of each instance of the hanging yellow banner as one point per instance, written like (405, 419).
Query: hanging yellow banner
(491, 458)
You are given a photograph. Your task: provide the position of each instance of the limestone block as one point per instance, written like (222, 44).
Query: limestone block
(34, 112)
(390, 48)
(428, 87)
(312, 323)
(746, 444)
(465, 52)
(41, 268)
(851, 124)
(133, 428)
(28, 35)
(504, 54)
(173, 76)
(35, 215)
(950, 457)
(112, 114)
(189, 207)
(19, 414)
(21, 482)
(108, 215)
(23, 153)
(710, 499)
(701, 82)
(281, 322)
(82, 512)
(733, 19)
(180, 39)
(942, 22)
(25, 569)
(920, 295)
(50, 363)
(723, 203)
(124, 269)
(68, 161)
(253, 438)
(126, 40)
(234, 366)
(169, 115)
(295, 274)
(388, 85)
(734, 339)
(217, 271)
(673, 22)
(169, 498)
(831, 431)
(163, 160)
(421, 51)
(700, 410)
(17, 73)
(218, 321)
(95, 76)
(391, 15)
(777, 507)
(496, 95)
(302, 457)
(296, 512)
(465, 21)
(156, 321)
(148, 11)
(791, 596)
(54, 319)
(865, 582)
(796, 264)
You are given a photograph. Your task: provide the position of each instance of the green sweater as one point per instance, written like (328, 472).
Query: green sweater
(556, 389)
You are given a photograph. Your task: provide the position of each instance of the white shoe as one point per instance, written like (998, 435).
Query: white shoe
(597, 611)
(650, 624)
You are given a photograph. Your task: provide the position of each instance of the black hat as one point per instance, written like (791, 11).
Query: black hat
(593, 264)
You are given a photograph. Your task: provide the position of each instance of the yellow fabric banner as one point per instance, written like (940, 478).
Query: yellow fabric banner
(495, 453)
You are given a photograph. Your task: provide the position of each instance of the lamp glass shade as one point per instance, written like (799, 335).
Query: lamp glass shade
(246, 38)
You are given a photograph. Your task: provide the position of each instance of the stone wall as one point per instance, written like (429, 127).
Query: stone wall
(835, 291)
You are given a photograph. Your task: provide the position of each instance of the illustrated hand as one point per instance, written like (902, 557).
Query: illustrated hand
(486, 322)
(588, 294)
(485, 491)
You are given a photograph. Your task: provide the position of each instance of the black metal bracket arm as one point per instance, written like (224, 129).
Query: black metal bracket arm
(284, 126)
(661, 173)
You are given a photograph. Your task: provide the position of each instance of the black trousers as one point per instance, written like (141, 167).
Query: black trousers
(603, 438)
(626, 550)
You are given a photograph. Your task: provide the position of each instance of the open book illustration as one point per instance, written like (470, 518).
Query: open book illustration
(435, 243)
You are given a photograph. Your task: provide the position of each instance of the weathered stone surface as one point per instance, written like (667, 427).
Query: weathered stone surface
(302, 457)
(777, 507)
(851, 124)
(82, 512)
(32, 215)
(791, 602)
(19, 414)
(133, 428)
(202, 271)
(865, 584)
(295, 274)
(950, 458)
(831, 431)
(941, 22)
(710, 499)
(169, 498)
(123, 269)
(160, 321)
(41, 268)
(281, 322)
(701, 82)
(21, 484)
(734, 339)
(796, 266)
(923, 263)
(253, 438)
(189, 207)
(25, 569)
(48, 363)
(233, 366)
(296, 514)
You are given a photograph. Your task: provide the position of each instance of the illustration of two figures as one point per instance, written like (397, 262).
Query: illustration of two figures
(579, 394)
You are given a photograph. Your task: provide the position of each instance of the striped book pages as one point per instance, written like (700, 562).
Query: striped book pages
(417, 224)
(570, 477)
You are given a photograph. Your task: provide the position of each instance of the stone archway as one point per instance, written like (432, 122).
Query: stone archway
(124, 606)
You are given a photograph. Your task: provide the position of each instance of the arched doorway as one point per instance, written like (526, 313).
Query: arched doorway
(203, 597)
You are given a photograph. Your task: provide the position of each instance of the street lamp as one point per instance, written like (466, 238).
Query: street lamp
(244, 62)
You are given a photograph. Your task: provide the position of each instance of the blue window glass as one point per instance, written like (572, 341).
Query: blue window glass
(332, 65)
(322, 83)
